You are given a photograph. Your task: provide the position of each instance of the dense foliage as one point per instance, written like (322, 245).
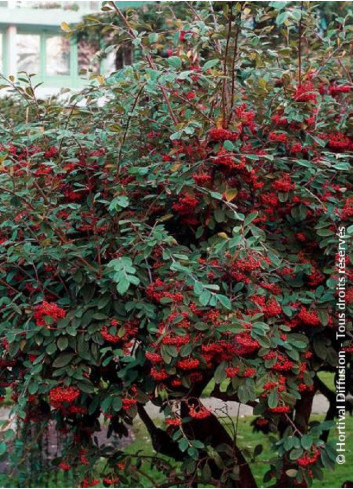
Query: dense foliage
(177, 224)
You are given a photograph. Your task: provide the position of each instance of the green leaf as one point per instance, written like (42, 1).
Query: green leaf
(273, 399)
(183, 444)
(326, 461)
(206, 473)
(103, 301)
(153, 37)
(296, 453)
(123, 286)
(124, 274)
(325, 232)
(51, 348)
(198, 288)
(282, 17)
(306, 442)
(250, 218)
(320, 345)
(278, 5)
(186, 350)
(63, 359)
(323, 316)
(305, 163)
(85, 386)
(205, 297)
(220, 373)
(174, 62)
(222, 299)
(3, 448)
(228, 145)
(62, 343)
(342, 166)
(193, 453)
(197, 444)
(175, 135)
(216, 195)
(210, 64)
(258, 450)
(219, 215)
(288, 443)
(119, 203)
(117, 404)
(123, 201)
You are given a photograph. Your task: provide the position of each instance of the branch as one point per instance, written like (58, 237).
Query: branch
(212, 432)
(224, 87)
(235, 55)
(149, 61)
(161, 441)
(127, 127)
(300, 43)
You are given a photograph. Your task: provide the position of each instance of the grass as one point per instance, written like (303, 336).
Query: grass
(143, 446)
(328, 378)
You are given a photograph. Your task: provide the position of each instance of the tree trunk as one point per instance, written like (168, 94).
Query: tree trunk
(209, 430)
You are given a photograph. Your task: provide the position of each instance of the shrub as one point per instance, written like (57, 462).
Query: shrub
(184, 231)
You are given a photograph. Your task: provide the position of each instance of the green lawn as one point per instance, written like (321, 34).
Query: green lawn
(328, 378)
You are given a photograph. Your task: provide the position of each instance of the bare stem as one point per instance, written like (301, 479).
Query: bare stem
(149, 61)
(300, 34)
(235, 55)
(225, 70)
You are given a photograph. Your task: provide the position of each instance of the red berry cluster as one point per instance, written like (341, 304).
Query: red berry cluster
(220, 134)
(279, 409)
(46, 310)
(60, 395)
(199, 412)
(308, 459)
(305, 92)
(309, 318)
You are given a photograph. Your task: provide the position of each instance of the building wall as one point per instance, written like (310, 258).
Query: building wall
(32, 40)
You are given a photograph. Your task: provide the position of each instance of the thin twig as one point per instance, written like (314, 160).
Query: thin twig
(149, 61)
(225, 71)
(235, 55)
(300, 34)
(127, 127)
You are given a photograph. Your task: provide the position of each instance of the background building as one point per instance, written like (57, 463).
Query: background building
(31, 40)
